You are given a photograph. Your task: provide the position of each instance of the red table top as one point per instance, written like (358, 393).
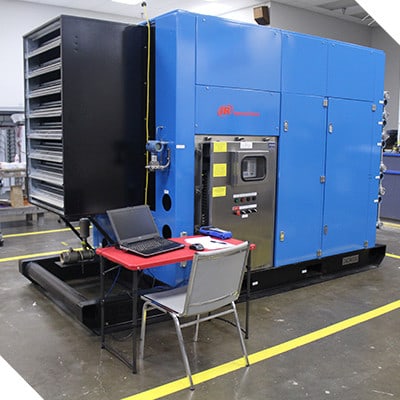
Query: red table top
(136, 263)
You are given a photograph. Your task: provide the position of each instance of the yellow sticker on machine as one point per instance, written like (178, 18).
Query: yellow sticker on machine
(220, 147)
(219, 170)
(219, 191)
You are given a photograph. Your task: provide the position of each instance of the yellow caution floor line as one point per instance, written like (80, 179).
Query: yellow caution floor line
(38, 232)
(36, 255)
(391, 224)
(212, 373)
(393, 255)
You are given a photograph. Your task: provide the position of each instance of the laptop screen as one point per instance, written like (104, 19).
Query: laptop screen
(132, 224)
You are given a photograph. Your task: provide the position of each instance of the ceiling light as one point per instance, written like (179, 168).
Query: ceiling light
(130, 2)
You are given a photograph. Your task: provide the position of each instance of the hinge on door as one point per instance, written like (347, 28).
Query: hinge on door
(330, 128)
(319, 253)
(285, 126)
(325, 229)
(366, 244)
(281, 236)
(325, 102)
(322, 179)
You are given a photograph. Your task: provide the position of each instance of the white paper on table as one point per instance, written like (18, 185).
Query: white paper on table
(209, 243)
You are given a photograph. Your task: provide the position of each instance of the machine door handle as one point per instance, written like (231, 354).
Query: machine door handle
(285, 126)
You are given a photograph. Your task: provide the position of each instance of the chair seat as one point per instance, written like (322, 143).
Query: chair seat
(173, 299)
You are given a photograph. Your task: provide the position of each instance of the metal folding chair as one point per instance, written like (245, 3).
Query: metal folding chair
(215, 282)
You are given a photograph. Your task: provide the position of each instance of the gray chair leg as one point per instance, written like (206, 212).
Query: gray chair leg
(196, 332)
(143, 329)
(240, 334)
(183, 351)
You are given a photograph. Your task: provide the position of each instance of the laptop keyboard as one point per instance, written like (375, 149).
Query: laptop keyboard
(153, 246)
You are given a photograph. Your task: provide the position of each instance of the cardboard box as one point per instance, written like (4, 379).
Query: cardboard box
(16, 196)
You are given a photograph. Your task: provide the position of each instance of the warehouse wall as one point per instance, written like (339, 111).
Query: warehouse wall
(381, 40)
(16, 19)
(299, 20)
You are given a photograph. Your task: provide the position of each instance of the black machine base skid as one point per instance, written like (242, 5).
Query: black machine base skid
(266, 282)
(76, 288)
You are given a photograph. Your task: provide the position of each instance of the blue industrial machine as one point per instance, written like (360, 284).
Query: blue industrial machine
(306, 109)
(272, 135)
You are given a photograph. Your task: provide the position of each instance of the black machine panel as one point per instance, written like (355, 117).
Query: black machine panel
(85, 115)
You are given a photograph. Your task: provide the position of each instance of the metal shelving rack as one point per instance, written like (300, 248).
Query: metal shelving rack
(84, 115)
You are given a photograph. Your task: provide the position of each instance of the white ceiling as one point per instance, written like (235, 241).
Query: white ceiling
(344, 9)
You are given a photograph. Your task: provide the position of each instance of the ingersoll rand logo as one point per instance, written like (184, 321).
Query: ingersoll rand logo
(227, 109)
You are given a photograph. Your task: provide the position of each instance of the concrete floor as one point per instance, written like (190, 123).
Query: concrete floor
(360, 359)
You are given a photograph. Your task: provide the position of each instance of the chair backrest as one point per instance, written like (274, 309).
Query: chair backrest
(215, 279)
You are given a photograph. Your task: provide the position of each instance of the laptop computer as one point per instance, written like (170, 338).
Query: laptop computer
(136, 232)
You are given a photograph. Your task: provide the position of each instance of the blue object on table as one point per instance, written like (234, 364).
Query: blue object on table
(215, 232)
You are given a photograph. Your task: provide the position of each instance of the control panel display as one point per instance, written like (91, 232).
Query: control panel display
(253, 168)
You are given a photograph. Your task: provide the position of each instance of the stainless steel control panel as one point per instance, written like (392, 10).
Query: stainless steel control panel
(235, 189)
